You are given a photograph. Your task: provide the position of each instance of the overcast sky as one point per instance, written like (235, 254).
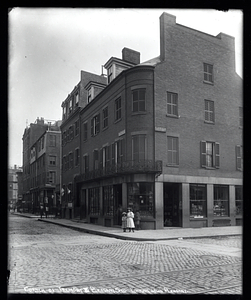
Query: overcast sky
(49, 47)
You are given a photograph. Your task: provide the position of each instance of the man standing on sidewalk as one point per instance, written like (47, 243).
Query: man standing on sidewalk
(41, 211)
(46, 211)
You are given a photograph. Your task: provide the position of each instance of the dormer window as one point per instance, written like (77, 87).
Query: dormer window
(64, 112)
(76, 98)
(110, 72)
(89, 95)
(70, 105)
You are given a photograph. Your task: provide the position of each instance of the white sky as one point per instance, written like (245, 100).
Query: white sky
(48, 47)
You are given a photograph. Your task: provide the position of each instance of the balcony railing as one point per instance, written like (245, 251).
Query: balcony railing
(126, 167)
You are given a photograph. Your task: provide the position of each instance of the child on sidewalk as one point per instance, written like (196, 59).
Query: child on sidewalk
(124, 221)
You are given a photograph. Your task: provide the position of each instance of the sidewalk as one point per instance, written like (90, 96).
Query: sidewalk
(168, 233)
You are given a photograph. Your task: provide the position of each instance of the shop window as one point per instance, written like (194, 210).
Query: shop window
(221, 201)
(198, 200)
(93, 197)
(108, 200)
(141, 197)
(239, 201)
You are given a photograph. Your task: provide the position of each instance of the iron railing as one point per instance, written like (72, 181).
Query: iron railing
(126, 167)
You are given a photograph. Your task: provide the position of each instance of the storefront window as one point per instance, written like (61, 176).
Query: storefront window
(239, 200)
(221, 201)
(198, 200)
(93, 196)
(108, 200)
(141, 197)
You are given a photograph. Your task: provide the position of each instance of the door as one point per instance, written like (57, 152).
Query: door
(83, 205)
(117, 194)
(172, 205)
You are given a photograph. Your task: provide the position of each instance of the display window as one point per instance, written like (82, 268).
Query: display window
(93, 197)
(108, 200)
(221, 201)
(239, 201)
(198, 200)
(141, 198)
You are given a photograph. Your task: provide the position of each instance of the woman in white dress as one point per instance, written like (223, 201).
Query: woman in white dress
(130, 223)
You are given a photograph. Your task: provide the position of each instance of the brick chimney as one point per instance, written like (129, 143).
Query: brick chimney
(131, 56)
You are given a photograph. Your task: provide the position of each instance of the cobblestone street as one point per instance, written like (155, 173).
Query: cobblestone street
(45, 258)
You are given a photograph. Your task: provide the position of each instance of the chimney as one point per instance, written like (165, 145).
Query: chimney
(166, 20)
(131, 56)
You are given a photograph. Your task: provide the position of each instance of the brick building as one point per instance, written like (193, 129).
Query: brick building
(163, 137)
(41, 163)
(13, 186)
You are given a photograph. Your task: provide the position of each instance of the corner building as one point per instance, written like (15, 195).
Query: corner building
(163, 137)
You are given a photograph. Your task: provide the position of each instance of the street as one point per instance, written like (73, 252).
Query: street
(46, 258)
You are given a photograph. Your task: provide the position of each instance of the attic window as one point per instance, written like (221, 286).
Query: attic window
(110, 73)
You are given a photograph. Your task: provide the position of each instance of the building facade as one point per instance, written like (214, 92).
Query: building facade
(13, 194)
(163, 137)
(42, 166)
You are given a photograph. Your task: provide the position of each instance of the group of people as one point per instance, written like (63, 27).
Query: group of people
(128, 220)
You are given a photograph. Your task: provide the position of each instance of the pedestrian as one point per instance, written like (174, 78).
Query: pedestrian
(41, 211)
(124, 221)
(46, 211)
(130, 223)
(137, 220)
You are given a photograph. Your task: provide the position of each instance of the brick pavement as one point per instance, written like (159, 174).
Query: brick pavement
(54, 256)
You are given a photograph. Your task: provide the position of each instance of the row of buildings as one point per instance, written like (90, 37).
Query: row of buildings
(163, 137)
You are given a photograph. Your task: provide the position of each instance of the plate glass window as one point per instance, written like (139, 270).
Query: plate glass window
(221, 201)
(198, 200)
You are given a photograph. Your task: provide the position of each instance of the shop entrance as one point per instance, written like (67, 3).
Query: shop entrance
(83, 205)
(172, 205)
(117, 194)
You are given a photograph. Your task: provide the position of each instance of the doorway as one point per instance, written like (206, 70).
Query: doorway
(83, 205)
(172, 205)
(117, 194)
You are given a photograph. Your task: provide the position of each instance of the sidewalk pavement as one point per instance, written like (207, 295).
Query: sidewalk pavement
(168, 233)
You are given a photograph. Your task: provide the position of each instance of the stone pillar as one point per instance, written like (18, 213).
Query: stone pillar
(159, 223)
(232, 206)
(210, 205)
(185, 205)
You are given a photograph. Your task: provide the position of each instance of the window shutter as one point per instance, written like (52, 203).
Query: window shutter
(238, 157)
(203, 153)
(98, 123)
(217, 155)
(92, 129)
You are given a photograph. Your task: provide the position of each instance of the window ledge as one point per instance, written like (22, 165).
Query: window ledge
(210, 168)
(135, 113)
(173, 116)
(116, 121)
(209, 122)
(105, 128)
(173, 166)
(208, 82)
(197, 218)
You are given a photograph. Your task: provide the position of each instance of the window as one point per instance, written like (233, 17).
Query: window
(52, 160)
(210, 154)
(105, 117)
(77, 157)
(141, 197)
(240, 116)
(109, 75)
(64, 112)
(172, 104)
(85, 163)
(70, 105)
(208, 73)
(95, 160)
(239, 201)
(85, 131)
(105, 156)
(76, 98)
(198, 200)
(118, 109)
(139, 147)
(89, 95)
(108, 199)
(139, 100)
(221, 201)
(76, 127)
(52, 142)
(42, 142)
(70, 160)
(239, 158)
(172, 151)
(209, 111)
(51, 177)
(95, 122)
(71, 133)
(93, 197)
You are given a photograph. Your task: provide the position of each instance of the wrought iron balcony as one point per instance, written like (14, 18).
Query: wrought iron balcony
(126, 167)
